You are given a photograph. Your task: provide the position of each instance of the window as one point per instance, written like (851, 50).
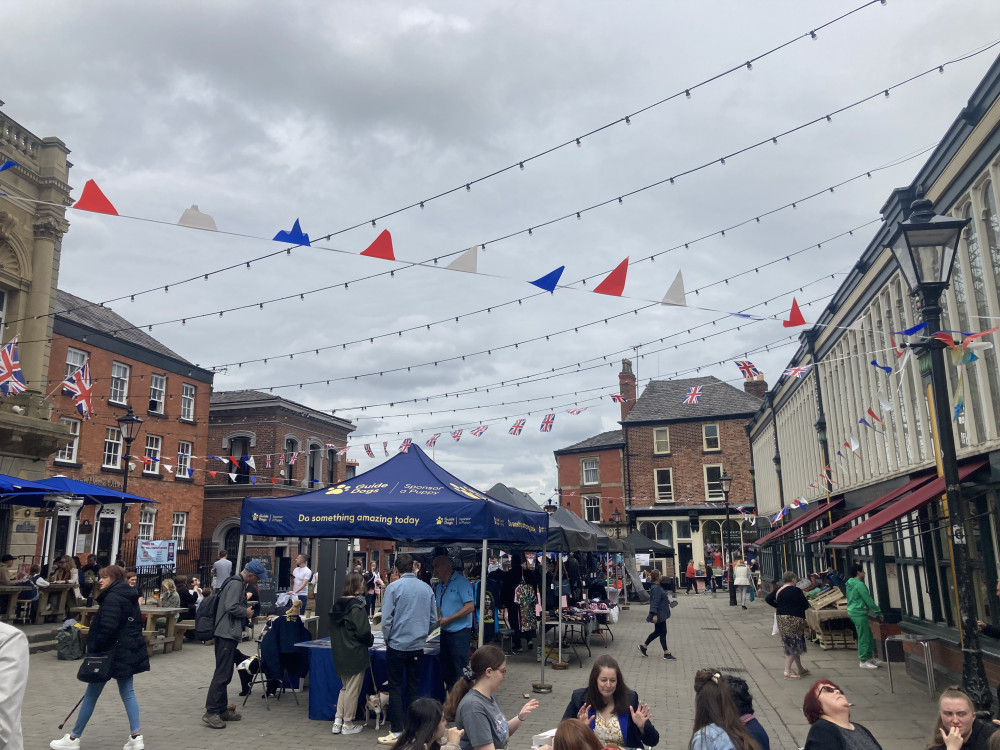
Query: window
(157, 393)
(291, 456)
(315, 465)
(119, 383)
(683, 529)
(331, 466)
(75, 359)
(713, 483)
(151, 459)
(68, 452)
(112, 448)
(146, 520)
(665, 532)
(664, 485)
(239, 448)
(590, 471)
(178, 530)
(661, 440)
(592, 508)
(710, 437)
(187, 402)
(183, 458)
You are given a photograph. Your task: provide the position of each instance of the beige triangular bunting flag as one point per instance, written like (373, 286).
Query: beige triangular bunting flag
(675, 294)
(465, 262)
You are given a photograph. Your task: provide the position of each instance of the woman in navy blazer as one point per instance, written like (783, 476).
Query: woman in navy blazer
(611, 709)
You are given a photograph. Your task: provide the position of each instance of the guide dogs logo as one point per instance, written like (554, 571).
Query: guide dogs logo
(337, 489)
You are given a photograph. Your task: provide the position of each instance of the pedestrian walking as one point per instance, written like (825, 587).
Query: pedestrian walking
(14, 668)
(791, 605)
(611, 709)
(742, 581)
(710, 579)
(691, 574)
(408, 615)
(828, 712)
(659, 613)
(350, 638)
(859, 606)
(717, 724)
(116, 630)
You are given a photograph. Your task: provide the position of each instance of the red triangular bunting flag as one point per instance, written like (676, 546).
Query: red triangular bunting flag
(795, 317)
(381, 247)
(614, 283)
(94, 200)
(212, 474)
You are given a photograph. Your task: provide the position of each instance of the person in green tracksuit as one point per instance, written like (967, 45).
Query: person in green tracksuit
(859, 606)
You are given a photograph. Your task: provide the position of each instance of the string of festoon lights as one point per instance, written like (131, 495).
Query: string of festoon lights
(721, 160)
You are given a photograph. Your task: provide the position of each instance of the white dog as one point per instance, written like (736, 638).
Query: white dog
(379, 706)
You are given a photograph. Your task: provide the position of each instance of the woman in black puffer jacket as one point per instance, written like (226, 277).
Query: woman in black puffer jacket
(116, 628)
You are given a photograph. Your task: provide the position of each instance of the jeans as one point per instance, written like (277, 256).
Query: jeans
(217, 699)
(399, 664)
(370, 604)
(454, 654)
(743, 592)
(90, 700)
(659, 631)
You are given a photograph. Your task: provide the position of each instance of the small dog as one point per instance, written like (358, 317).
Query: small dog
(378, 705)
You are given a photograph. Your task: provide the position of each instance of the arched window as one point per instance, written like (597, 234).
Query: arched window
(291, 458)
(231, 543)
(665, 532)
(315, 473)
(648, 530)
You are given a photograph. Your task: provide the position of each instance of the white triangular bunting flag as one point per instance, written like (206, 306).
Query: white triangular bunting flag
(885, 403)
(675, 294)
(465, 262)
(168, 469)
(232, 477)
(251, 463)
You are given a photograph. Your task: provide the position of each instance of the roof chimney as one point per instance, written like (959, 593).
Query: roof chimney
(756, 386)
(626, 387)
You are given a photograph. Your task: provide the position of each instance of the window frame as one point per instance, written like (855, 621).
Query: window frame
(181, 539)
(118, 391)
(705, 438)
(709, 497)
(147, 524)
(116, 444)
(592, 503)
(657, 441)
(157, 406)
(188, 395)
(183, 459)
(596, 468)
(657, 484)
(153, 449)
(73, 445)
(72, 366)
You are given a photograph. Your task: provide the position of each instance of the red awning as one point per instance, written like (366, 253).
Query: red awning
(873, 506)
(897, 510)
(798, 522)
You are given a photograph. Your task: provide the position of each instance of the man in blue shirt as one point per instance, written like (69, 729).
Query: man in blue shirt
(408, 614)
(455, 603)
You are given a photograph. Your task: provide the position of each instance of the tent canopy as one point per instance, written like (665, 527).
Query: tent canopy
(409, 497)
(642, 543)
(563, 534)
(43, 492)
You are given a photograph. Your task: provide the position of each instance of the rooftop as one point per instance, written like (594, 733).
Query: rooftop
(663, 401)
(610, 439)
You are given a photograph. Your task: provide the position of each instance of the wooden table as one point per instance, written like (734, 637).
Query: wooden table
(59, 590)
(151, 612)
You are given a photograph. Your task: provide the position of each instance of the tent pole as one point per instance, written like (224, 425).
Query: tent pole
(482, 594)
(541, 568)
(241, 553)
(559, 600)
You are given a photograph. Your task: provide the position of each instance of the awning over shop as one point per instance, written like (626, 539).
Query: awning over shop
(908, 504)
(871, 507)
(802, 520)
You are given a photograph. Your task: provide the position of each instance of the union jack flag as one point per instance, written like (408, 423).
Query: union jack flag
(368, 450)
(12, 379)
(433, 441)
(281, 459)
(385, 447)
(797, 372)
(618, 398)
(457, 435)
(478, 432)
(78, 386)
(293, 457)
(343, 451)
(748, 368)
(268, 461)
(550, 419)
(404, 447)
(516, 428)
(693, 395)
(577, 411)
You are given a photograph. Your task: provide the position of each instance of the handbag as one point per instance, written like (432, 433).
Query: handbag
(752, 597)
(95, 667)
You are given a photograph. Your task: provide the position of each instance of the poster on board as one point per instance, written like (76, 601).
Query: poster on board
(156, 552)
(268, 588)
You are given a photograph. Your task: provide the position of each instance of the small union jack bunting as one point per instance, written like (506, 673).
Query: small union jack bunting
(577, 411)
(748, 368)
(369, 451)
(478, 432)
(456, 435)
(433, 440)
(547, 423)
(385, 447)
(693, 395)
(404, 447)
(797, 372)
(12, 379)
(618, 398)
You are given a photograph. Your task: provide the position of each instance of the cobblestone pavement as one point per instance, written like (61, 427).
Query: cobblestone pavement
(703, 632)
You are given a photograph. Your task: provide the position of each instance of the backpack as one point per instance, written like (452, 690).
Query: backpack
(69, 645)
(205, 620)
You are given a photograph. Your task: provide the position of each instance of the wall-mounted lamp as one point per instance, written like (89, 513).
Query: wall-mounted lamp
(128, 526)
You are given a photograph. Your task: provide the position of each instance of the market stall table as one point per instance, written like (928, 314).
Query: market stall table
(152, 612)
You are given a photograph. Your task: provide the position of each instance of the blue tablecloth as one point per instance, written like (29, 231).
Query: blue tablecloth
(325, 684)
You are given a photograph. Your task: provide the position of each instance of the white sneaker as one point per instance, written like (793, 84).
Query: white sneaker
(134, 743)
(352, 728)
(389, 739)
(868, 665)
(65, 743)
(338, 726)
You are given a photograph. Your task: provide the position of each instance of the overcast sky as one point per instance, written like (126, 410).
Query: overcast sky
(334, 113)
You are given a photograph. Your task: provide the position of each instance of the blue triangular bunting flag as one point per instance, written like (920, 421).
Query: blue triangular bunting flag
(296, 236)
(549, 281)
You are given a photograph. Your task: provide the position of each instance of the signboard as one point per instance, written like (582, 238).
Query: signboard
(268, 588)
(642, 558)
(156, 552)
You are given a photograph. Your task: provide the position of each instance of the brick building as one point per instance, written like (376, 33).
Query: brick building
(661, 470)
(127, 368)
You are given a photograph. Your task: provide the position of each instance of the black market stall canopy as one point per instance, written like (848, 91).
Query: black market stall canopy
(407, 498)
(642, 543)
(563, 531)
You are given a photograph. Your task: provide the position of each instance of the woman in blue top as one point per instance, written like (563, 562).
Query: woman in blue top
(659, 611)
(611, 709)
(717, 723)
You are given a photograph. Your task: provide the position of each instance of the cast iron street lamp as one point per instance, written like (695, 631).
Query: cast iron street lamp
(616, 519)
(129, 426)
(924, 246)
(727, 484)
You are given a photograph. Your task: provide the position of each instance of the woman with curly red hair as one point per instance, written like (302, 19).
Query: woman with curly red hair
(827, 709)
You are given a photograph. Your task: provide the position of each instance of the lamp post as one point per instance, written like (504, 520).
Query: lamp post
(924, 246)
(128, 425)
(616, 519)
(727, 484)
